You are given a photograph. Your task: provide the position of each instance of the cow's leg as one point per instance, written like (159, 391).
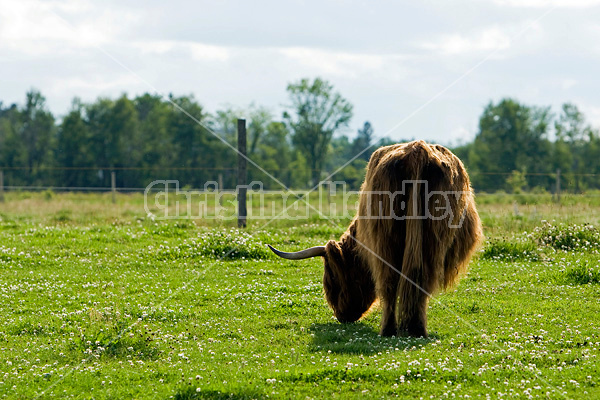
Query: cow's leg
(387, 289)
(413, 321)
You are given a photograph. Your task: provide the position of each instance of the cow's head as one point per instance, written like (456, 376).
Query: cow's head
(347, 282)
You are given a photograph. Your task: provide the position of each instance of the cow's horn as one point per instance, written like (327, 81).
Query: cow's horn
(299, 255)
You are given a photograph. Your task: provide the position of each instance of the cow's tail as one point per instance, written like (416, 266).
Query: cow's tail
(412, 286)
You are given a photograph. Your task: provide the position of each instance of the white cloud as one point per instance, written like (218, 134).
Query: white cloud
(97, 84)
(458, 135)
(387, 67)
(37, 27)
(487, 40)
(349, 65)
(591, 112)
(549, 3)
(496, 40)
(568, 83)
(197, 51)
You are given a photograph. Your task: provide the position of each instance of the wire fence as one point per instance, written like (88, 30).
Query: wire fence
(107, 179)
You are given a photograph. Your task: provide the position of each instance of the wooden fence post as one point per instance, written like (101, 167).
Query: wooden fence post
(242, 174)
(113, 185)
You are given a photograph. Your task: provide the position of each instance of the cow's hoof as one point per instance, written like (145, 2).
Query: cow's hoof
(418, 333)
(415, 334)
(389, 331)
(414, 328)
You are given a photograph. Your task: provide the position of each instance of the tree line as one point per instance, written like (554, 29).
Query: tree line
(148, 137)
(521, 148)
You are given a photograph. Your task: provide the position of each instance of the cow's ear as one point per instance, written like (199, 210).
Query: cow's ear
(334, 258)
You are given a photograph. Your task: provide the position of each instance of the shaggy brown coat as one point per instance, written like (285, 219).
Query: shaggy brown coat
(401, 249)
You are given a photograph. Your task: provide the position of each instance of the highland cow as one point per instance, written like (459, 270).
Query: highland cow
(415, 232)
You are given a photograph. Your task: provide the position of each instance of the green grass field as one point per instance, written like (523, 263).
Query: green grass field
(103, 301)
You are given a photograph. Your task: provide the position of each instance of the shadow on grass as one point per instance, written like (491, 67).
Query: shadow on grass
(211, 394)
(108, 343)
(359, 338)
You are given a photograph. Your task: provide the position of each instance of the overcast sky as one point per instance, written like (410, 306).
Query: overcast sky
(413, 69)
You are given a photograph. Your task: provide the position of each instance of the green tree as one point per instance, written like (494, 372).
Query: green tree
(315, 114)
(273, 153)
(574, 140)
(224, 123)
(511, 136)
(37, 130)
(156, 141)
(260, 119)
(124, 145)
(352, 174)
(339, 153)
(13, 153)
(300, 173)
(73, 148)
(98, 115)
(517, 181)
(364, 141)
(114, 139)
(195, 147)
(591, 157)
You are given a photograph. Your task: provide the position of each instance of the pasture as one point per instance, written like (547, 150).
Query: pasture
(106, 301)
